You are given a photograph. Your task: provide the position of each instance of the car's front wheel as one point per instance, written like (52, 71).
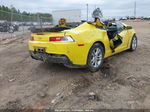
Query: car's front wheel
(95, 57)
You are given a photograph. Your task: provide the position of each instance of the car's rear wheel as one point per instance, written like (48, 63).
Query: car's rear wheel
(133, 45)
(95, 57)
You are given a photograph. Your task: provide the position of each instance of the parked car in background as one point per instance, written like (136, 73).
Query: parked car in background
(6, 26)
(123, 18)
(132, 18)
(145, 18)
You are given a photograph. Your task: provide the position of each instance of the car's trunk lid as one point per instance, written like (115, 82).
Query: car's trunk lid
(45, 36)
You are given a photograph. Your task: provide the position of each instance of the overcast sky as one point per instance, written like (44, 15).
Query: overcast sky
(109, 7)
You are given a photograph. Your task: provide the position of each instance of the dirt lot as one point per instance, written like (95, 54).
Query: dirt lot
(123, 82)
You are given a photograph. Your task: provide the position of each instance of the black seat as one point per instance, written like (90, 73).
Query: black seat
(112, 31)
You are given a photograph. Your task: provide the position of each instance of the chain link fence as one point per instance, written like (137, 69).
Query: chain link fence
(13, 24)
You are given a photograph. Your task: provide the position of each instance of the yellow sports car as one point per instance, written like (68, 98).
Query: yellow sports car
(86, 45)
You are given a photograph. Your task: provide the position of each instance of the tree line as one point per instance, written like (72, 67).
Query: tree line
(7, 13)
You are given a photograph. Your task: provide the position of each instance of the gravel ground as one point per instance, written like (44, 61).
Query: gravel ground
(123, 81)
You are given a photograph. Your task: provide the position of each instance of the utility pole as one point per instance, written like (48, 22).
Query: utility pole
(135, 9)
(87, 11)
(39, 20)
(95, 6)
(11, 19)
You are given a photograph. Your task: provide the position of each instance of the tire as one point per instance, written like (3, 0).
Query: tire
(95, 57)
(133, 45)
(11, 31)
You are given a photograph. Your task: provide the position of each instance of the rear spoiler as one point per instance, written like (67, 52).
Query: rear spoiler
(54, 29)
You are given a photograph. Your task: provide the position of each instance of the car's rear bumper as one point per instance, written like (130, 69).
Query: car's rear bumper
(76, 54)
(53, 58)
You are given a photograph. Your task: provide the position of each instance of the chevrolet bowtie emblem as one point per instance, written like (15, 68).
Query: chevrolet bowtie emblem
(39, 37)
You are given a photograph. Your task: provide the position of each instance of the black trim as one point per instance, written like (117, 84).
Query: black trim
(54, 58)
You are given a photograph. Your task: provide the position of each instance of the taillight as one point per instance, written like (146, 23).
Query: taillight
(31, 38)
(61, 39)
(55, 38)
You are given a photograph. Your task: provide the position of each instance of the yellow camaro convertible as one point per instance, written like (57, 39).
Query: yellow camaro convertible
(84, 46)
